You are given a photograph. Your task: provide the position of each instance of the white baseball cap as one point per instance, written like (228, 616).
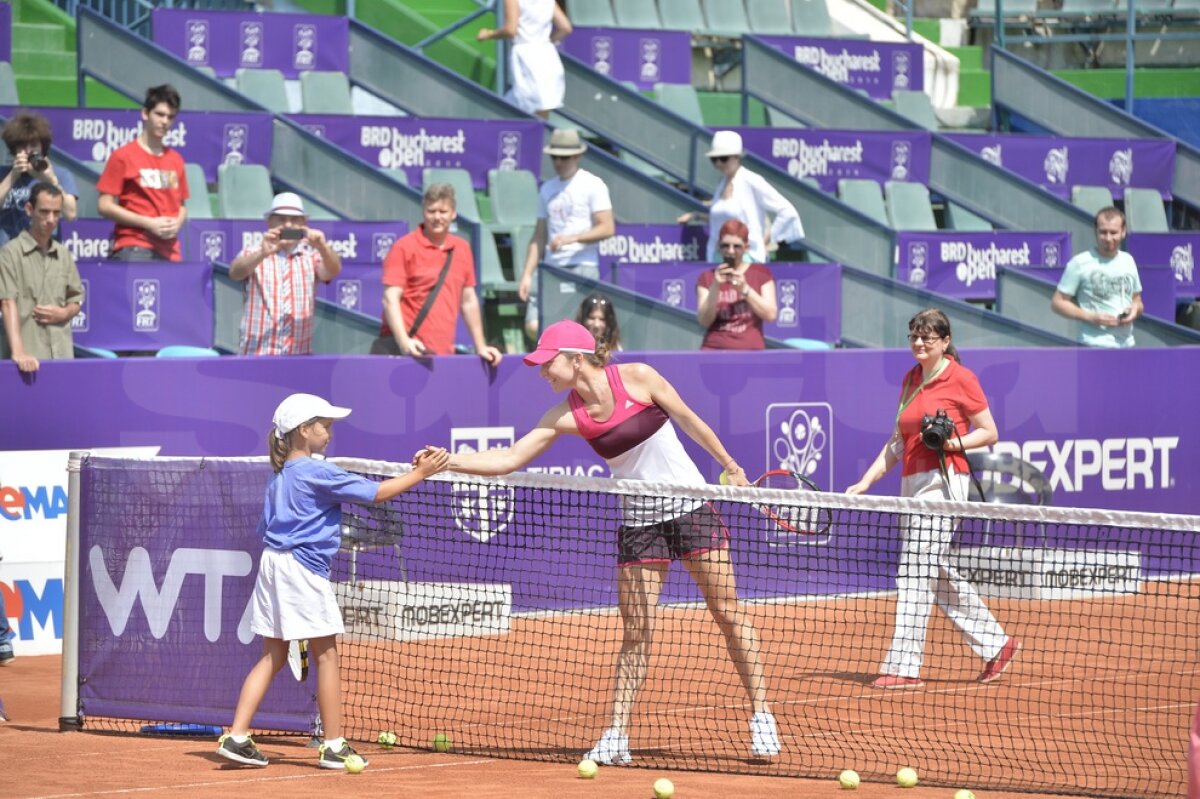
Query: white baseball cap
(287, 203)
(299, 408)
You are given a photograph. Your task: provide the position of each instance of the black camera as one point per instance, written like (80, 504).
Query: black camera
(936, 430)
(37, 161)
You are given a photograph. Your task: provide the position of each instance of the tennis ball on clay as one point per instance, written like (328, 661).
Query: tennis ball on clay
(441, 742)
(588, 769)
(387, 738)
(906, 777)
(355, 764)
(964, 794)
(663, 788)
(849, 779)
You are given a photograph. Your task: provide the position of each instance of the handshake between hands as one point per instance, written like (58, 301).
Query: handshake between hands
(430, 460)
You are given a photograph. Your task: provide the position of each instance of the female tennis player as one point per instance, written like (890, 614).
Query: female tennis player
(293, 599)
(625, 413)
(939, 382)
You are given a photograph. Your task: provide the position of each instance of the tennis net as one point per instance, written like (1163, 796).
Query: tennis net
(486, 611)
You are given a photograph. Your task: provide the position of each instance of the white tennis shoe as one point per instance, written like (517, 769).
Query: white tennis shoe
(612, 750)
(764, 736)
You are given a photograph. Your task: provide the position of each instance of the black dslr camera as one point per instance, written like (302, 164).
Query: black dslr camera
(936, 430)
(37, 161)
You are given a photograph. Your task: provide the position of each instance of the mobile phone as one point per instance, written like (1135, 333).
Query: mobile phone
(291, 234)
(1123, 315)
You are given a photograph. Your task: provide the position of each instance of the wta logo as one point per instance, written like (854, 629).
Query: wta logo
(800, 439)
(481, 511)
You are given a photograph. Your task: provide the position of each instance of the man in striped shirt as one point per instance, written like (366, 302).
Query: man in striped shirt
(281, 277)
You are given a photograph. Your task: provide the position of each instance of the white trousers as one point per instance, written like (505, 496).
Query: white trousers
(926, 577)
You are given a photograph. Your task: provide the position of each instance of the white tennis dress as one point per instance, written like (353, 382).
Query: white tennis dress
(538, 81)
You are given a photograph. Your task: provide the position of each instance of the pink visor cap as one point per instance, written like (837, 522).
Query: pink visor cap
(564, 336)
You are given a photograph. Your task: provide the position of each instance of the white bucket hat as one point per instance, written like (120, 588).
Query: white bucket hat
(726, 142)
(287, 204)
(299, 408)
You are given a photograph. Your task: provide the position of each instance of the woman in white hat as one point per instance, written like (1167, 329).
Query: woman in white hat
(538, 80)
(747, 197)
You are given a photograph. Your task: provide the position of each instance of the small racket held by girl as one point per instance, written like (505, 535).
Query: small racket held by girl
(798, 518)
(298, 659)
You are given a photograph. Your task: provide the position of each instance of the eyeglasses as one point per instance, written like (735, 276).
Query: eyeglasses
(730, 245)
(720, 159)
(928, 340)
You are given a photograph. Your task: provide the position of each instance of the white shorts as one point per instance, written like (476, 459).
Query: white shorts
(290, 602)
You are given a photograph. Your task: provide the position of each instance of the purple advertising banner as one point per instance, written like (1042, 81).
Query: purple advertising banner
(1174, 250)
(653, 244)
(87, 239)
(641, 57)
(960, 264)
(206, 138)
(222, 239)
(228, 41)
(874, 67)
(809, 296)
(1057, 163)
(144, 306)
(1079, 431)
(828, 155)
(6, 32)
(413, 144)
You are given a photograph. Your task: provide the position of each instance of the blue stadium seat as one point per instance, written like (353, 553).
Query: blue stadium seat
(186, 351)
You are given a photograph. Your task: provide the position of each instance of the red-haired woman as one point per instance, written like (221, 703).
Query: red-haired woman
(734, 298)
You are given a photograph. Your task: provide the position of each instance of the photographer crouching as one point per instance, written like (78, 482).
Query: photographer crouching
(942, 412)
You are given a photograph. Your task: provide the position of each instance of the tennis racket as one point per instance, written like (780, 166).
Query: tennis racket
(796, 518)
(298, 659)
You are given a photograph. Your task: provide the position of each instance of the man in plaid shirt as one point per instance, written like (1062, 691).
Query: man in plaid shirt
(281, 277)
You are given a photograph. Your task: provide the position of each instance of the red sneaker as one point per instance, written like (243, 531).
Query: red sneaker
(999, 664)
(893, 681)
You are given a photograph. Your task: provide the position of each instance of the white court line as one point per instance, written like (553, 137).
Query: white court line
(318, 774)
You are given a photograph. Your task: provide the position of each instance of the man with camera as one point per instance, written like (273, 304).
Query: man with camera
(942, 412)
(281, 275)
(27, 137)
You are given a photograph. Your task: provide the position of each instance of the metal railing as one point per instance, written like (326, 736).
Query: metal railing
(135, 15)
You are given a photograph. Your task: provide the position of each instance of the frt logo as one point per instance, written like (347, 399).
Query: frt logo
(46, 502)
(23, 603)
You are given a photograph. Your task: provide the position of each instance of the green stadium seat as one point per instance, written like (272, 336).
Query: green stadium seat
(244, 190)
(514, 196)
(491, 272)
(908, 206)
(865, 196)
(811, 18)
(725, 17)
(464, 192)
(1012, 8)
(325, 93)
(1091, 198)
(959, 218)
(636, 14)
(772, 17)
(916, 107)
(682, 99)
(8, 85)
(199, 204)
(263, 86)
(592, 14)
(681, 15)
(1144, 211)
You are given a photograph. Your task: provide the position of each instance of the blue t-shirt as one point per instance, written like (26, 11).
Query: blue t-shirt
(302, 512)
(13, 218)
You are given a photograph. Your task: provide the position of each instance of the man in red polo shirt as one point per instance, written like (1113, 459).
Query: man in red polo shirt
(412, 272)
(144, 184)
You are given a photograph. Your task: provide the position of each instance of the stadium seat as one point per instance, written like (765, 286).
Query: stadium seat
(636, 14)
(264, 86)
(725, 17)
(8, 85)
(807, 344)
(959, 218)
(491, 271)
(207, 70)
(682, 99)
(93, 352)
(244, 190)
(908, 206)
(464, 192)
(592, 14)
(778, 119)
(1012, 8)
(87, 205)
(865, 196)
(186, 351)
(1087, 8)
(396, 174)
(1091, 198)
(325, 93)
(772, 17)
(811, 18)
(199, 204)
(915, 106)
(514, 195)
(681, 15)
(1144, 211)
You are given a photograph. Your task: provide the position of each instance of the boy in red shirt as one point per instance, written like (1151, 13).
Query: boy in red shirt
(144, 185)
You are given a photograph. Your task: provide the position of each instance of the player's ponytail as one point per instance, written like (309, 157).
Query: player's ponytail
(278, 448)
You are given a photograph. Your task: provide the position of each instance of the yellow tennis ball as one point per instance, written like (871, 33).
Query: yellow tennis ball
(723, 479)
(441, 742)
(906, 777)
(964, 794)
(849, 779)
(387, 738)
(588, 769)
(355, 764)
(663, 788)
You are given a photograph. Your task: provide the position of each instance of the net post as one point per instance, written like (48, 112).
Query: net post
(68, 709)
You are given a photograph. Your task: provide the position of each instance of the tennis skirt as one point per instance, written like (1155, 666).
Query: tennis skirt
(290, 602)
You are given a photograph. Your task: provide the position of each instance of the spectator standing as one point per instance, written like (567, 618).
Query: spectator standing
(28, 138)
(538, 79)
(40, 289)
(598, 315)
(746, 196)
(144, 185)
(574, 216)
(736, 297)
(1100, 288)
(281, 276)
(428, 279)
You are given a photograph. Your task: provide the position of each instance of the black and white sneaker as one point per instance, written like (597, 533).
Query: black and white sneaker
(336, 758)
(245, 753)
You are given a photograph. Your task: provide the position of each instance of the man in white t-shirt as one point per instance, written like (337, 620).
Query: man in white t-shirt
(574, 216)
(1100, 287)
